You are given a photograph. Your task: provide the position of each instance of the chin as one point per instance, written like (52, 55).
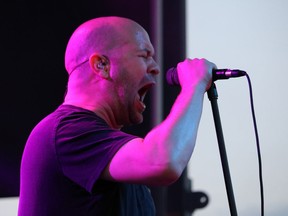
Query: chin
(137, 120)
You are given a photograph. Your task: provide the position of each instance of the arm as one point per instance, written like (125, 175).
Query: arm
(163, 154)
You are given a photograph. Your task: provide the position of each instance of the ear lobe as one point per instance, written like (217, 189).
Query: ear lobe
(100, 64)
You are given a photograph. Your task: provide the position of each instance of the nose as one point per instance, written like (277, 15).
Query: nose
(154, 69)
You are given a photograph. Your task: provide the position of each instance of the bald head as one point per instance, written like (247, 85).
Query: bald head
(111, 67)
(101, 35)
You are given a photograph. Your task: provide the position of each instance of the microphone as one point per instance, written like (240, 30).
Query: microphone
(217, 74)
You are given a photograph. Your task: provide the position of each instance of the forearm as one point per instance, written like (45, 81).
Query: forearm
(165, 151)
(174, 139)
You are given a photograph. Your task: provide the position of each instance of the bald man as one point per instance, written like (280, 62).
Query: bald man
(77, 161)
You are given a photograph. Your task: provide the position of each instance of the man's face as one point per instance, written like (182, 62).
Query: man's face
(133, 72)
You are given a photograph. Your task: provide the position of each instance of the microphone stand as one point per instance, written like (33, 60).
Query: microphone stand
(213, 96)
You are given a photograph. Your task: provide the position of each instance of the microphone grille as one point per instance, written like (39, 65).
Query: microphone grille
(172, 76)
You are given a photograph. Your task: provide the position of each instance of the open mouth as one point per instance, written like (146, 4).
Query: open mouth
(143, 91)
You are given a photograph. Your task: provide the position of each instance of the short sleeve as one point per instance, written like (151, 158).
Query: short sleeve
(85, 144)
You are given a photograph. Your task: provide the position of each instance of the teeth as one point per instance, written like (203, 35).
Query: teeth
(142, 97)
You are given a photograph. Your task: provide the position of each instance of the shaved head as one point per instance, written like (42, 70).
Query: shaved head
(101, 35)
(111, 67)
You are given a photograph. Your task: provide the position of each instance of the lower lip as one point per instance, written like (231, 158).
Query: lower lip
(140, 106)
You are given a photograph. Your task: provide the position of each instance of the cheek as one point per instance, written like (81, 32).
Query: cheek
(124, 92)
(121, 92)
(127, 96)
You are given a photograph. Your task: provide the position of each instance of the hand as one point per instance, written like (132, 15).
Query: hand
(194, 72)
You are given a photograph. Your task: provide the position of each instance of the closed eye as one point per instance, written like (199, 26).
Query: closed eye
(144, 56)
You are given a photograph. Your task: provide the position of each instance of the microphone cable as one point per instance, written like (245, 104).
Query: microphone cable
(257, 144)
(172, 79)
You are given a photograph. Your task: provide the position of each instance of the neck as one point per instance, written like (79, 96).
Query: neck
(87, 95)
(99, 108)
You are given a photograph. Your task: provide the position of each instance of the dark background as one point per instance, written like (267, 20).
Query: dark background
(34, 35)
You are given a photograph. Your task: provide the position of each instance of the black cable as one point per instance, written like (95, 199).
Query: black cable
(258, 146)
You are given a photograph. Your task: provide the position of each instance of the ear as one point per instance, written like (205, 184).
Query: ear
(100, 65)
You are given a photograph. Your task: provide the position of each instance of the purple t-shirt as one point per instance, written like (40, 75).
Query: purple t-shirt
(61, 165)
